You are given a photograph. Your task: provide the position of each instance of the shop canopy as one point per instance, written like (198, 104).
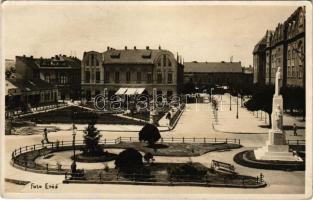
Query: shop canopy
(130, 91)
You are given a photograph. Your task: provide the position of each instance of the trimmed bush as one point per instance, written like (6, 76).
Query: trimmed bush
(149, 133)
(129, 160)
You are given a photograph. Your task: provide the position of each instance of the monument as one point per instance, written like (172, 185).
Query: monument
(153, 111)
(276, 147)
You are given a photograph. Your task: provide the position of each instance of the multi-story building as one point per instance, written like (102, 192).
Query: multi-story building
(207, 74)
(60, 70)
(131, 69)
(285, 48)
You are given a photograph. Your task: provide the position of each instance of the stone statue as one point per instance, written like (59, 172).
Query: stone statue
(277, 81)
(278, 118)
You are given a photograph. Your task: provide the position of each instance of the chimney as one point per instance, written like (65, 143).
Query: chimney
(159, 47)
(125, 47)
(108, 48)
(147, 47)
(135, 47)
(31, 57)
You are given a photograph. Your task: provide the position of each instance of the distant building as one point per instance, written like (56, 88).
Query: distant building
(129, 70)
(60, 70)
(9, 64)
(20, 92)
(207, 74)
(285, 48)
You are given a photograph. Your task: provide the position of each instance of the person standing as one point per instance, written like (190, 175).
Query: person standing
(295, 129)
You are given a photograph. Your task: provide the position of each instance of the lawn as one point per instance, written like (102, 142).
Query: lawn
(74, 114)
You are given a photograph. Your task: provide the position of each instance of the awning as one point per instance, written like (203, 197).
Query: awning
(140, 90)
(121, 91)
(131, 91)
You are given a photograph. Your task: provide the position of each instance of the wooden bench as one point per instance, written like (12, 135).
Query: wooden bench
(222, 167)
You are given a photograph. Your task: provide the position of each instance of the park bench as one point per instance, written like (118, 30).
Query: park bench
(222, 167)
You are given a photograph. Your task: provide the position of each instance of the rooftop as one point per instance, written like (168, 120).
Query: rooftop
(212, 67)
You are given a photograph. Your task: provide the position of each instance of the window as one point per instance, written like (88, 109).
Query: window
(97, 62)
(63, 79)
(170, 77)
(117, 77)
(106, 76)
(169, 63)
(92, 75)
(47, 77)
(159, 77)
(97, 76)
(138, 77)
(127, 76)
(164, 60)
(87, 78)
(92, 60)
(159, 62)
(149, 77)
(289, 71)
(293, 71)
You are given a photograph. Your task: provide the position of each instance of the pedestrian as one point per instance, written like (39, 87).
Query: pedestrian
(295, 129)
(168, 117)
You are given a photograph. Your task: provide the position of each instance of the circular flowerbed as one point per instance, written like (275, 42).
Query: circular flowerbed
(247, 158)
(106, 156)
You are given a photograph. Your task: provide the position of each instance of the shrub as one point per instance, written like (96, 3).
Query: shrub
(91, 140)
(149, 133)
(128, 160)
(187, 171)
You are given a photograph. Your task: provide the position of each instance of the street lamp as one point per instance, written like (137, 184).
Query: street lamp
(229, 100)
(211, 93)
(237, 107)
(73, 167)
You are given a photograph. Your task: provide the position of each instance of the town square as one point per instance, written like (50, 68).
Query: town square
(151, 116)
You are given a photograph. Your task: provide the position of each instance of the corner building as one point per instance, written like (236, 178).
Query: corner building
(131, 68)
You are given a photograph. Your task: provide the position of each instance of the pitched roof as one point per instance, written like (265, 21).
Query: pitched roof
(261, 45)
(28, 85)
(212, 67)
(132, 56)
(59, 61)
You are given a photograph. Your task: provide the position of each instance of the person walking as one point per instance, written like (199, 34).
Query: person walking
(45, 136)
(168, 117)
(295, 129)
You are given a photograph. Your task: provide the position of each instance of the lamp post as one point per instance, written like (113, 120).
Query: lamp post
(73, 167)
(211, 93)
(229, 100)
(237, 107)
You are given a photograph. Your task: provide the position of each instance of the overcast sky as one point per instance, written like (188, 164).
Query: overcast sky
(202, 33)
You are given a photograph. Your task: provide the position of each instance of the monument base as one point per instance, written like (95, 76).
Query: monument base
(276, 149)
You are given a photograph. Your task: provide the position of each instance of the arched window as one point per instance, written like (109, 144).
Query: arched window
(169, 62)
(164, 60)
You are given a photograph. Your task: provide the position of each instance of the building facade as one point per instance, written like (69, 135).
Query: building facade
(62, 71)
(131, 68)
(205, 75)
(285, 48)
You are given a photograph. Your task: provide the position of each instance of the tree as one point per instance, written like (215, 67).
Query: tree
(128, 160)
(91, 140)
(149, 133)
(262, 100)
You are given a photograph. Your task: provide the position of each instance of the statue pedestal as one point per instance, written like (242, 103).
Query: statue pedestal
(276, 148)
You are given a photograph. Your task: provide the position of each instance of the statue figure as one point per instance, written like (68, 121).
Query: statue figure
(277, 81)
(278, 118)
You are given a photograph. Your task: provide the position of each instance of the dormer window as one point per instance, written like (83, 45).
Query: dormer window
(146, 55)
(115, 55)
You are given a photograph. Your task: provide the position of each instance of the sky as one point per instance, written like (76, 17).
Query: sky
(197, 32)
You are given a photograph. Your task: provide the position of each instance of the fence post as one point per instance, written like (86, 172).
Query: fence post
(130, 139)
(297, 142)
(47, 167)
(239, 141)
(172, 139)
(52, 145)
(105, 140)
(235, 141)
(26, 147)
(204, 140)
(62, 142)
(20, 150)
(214, 140)
(226, 140)
(183, 139)
(161, 140)
(194, 139)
